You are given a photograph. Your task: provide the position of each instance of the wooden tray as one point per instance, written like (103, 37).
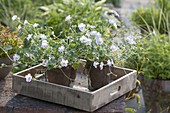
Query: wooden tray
(72, 96)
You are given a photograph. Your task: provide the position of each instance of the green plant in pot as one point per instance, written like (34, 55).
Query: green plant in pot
(41, 46)
(151, 57)
(91, 42)
(9, 43)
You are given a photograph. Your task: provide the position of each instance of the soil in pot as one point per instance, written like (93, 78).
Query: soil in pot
(63, 76)
(5, 70)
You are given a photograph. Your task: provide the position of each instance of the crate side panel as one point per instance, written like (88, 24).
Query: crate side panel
(53, 93)
(113, 91)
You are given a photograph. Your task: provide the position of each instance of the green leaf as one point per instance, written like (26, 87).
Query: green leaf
(130, 110)
(100, 2)
(7, 47)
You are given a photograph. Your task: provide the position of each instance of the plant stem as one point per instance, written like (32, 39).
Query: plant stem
(6, 54)
(66, 75)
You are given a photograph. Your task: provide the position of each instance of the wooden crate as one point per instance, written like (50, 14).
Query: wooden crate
(69, 96)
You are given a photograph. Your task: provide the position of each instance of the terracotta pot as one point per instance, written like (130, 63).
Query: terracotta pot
(98, 78)
(62, 77)
(4, 71)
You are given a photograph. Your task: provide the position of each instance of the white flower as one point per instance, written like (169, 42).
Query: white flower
(25, 22)
(98, 35)
(14, 17)
(28, 77)
(43, 36)
(16, 57)
(29, 36)
(101, 65)
(19, 27)
(130, 40)
(44, 44)
(110, 63)
(68, 18)
(64, 63)
(83, 39)
(89, 41)
(93, 33)
(52, 32)
(114, 48)
(61, 49)
(130, 37)
(88, 34)
(99, 41)
(92, 27)
(45, 62)
(69, 37)
(29, 55)
(95, 64)
(82, 27)
(35, 25)
(113, 22)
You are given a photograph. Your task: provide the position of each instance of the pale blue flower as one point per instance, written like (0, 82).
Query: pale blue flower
(101, 65)
(98, 35)
(28, 77)
(19, 27)
(52, 32)
(89, 41)
(81, 27)
(29, 55)
(25, 22)
(68, 18)
(64, 63)
(88, 34)
(29, 36)
(69, 37)
(45, 62)
(92, 27)
(61, 49)
(43, 36)
(114, 48)
(14, 17)
(95, 64)
(110, 63)
(130, 40)
(35, 25)
(83, 39)
(16, 57)
(93, 33)
(44, 44)
(99, 41)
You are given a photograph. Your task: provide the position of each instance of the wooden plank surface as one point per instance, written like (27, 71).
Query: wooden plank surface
(52, 93)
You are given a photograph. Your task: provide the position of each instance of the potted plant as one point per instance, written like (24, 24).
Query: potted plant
(150, 56)
(9, 43)
(79, 38)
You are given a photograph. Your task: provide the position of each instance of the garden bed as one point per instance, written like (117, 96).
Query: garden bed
(74, 96)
